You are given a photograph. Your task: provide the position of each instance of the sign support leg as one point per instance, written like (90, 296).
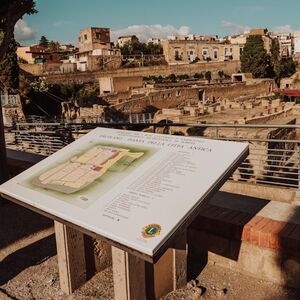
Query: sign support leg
(136, 279)
(71, 257)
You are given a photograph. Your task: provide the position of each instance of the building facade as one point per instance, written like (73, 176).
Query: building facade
(94, 38)
(187, 51)
(35, 54)
(96, 51)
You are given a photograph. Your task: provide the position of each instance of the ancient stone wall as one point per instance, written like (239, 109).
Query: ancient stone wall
(160, 99)
(228, 67)
(42, 69)
(262, 88)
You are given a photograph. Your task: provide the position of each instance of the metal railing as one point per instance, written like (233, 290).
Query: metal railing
(274, 157)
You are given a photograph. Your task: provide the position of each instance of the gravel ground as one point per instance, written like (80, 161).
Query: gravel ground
(28, 269)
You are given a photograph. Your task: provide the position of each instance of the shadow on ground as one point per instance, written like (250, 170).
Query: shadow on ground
(17, 222)
(23, 258)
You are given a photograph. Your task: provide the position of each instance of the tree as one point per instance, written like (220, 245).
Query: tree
(9, 69)
(183, 76)
(137, 48)
(199, 76)
(208, 76)
(10, 12)
(53, 46)
(275, 55)
(255, 58)
(221, 74)
(287, 68)
(282, 67)
(172, 78)
(44, 43)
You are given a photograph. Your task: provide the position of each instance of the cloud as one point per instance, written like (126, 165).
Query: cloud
(234, 28)
(283, 29)
(23, 32)
(145, 32)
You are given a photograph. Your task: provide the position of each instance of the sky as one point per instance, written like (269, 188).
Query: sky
(61, 20)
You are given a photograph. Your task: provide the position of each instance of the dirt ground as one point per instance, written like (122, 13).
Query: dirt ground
(28, 269)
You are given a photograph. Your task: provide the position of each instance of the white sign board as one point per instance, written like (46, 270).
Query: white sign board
(133, 188)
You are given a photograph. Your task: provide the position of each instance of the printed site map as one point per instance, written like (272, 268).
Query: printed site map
(81, 171)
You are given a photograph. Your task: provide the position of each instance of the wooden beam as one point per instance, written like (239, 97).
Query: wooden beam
(136, 279)
(71, 258)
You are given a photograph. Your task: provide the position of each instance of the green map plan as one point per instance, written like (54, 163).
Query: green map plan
(81, 171)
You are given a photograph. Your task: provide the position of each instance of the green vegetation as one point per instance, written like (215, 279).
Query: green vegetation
(257, 61)
(53, 46)
(48, 45)
(183, 77)
(208, 76)
(172, 78)
(49, 97)
(222, 75)
(282, 67)
(255, 58)
(138, 48)
(9, 69)
(199, 76)
(44, 43)
(10, 12)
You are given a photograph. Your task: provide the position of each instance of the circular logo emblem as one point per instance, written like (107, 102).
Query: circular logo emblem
(151, 230)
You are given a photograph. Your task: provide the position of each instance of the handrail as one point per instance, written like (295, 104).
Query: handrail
(272, 161)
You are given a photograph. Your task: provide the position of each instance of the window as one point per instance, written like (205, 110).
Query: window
(98, 35)
(216, 54)
(85, 36)
(205, 54)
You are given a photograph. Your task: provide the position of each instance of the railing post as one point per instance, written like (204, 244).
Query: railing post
(217, 132)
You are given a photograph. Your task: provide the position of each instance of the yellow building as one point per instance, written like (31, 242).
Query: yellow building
(186, 51)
